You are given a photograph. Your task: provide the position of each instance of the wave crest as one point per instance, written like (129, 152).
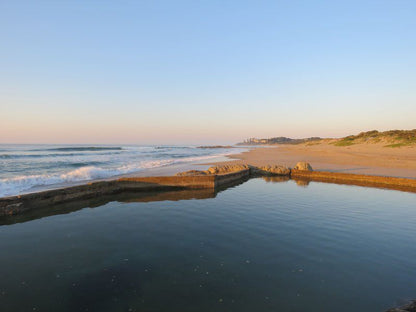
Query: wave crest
(21, 184)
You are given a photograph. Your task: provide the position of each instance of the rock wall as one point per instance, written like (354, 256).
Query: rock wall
(213, 178)
(19, 204)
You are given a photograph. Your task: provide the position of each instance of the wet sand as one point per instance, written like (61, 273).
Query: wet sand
(366, 159)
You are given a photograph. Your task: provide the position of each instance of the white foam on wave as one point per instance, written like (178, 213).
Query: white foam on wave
(23, 184)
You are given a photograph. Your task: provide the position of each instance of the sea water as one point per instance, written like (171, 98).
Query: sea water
(260, 246)
(24, 168)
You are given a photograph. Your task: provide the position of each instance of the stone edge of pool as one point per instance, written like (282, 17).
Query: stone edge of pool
(213, 179)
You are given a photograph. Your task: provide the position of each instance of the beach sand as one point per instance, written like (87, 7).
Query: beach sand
(369, 159)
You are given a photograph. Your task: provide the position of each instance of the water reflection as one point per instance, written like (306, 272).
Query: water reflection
(282, 179)
(276, 179)
(127, 197)
(41, 211)
(256, 247)
(302, 183)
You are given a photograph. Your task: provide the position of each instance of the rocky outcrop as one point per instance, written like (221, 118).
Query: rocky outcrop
(303, 166)
(410, 307)
(224, 169)
(272, 170)
(227, 169)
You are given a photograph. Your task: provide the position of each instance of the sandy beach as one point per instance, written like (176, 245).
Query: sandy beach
(369, 159)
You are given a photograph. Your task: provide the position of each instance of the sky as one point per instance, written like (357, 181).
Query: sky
(174, 72)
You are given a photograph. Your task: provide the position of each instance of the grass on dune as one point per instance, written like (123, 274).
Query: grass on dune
(396, 138)
(398, 145)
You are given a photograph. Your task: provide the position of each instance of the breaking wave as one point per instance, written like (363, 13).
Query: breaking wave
(24, 183)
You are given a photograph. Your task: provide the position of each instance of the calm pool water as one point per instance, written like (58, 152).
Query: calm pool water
(260, 246)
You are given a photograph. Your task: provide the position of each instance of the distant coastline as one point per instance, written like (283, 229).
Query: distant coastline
(391, 138)
(216, 146)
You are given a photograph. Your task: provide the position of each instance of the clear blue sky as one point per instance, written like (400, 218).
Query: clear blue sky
(204, 71)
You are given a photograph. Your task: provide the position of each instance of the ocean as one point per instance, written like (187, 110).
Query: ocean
(25, 168)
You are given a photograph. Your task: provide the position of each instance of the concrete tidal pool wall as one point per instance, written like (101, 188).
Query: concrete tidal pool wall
(19, 204)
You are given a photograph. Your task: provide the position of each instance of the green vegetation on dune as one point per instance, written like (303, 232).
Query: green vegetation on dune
(344, 142)
(394, 138)
(397, 145)
(347, 141)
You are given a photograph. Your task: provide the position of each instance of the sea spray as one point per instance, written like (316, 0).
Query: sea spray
(68, 165)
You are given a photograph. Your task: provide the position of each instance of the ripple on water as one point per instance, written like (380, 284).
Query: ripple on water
(262, 246)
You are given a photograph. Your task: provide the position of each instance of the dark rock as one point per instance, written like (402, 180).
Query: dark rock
(410, 307)
(224, 169)
(272, 170)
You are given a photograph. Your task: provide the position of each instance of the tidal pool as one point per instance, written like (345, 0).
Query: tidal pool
(259, 246)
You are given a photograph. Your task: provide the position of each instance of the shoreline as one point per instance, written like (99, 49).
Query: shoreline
(20, 204)
(163, 179)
